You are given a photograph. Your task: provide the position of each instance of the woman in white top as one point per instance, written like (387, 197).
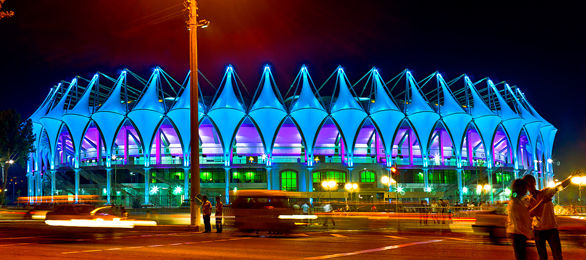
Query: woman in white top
(519, 218)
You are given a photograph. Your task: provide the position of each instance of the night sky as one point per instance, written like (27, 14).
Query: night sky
(538, 47)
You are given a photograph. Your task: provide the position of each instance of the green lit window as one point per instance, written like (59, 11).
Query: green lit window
(316, 177)
(367, 177)
(339, 177)
(289, 181)
(212, 177)
(248, 176)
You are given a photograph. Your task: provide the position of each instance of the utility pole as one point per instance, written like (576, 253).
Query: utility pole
(192, 24)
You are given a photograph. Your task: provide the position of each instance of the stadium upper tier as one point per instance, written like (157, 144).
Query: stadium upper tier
(402, 121)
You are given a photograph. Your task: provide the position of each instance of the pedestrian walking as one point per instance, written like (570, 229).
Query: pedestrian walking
(434, 211)
(545, 226)
(423, 211)
(207, 213)
(328, 214)
(305, 209)
(219, 210)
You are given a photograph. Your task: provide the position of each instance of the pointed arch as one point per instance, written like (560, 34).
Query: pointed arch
(328, 141)
(368, 145)
(128, 143)
(406, 146)
(289, 144)
(473, 147)
(209, 138)
(441, 147)
(93, 147)
(524, 151)
(247, 140)
(502, 148)
(65, 147)
(166, 147)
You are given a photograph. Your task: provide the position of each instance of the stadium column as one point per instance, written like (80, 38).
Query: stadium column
(489, 176)
(53, 185)
(426, 186)
(147, 180)
(29, 185)
(76, 171)
(186, 184)
(108, 185)
(158, 147)
(459, 178)
(40, 186)
(269, 177)
(227, 181)
(302, 176)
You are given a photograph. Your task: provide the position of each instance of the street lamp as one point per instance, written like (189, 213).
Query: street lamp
(193, 23)
(351, 187)
(579, 180)
(329, 186)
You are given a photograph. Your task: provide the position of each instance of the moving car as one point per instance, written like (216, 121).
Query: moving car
(263, 210)
(82, 211)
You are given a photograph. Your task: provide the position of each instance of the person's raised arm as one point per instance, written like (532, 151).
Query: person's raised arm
(535, 209)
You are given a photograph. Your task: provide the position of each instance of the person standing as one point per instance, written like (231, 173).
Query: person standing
(207, 213)
(219, 210)
(518, 219)
(305, 209)
(544, 222)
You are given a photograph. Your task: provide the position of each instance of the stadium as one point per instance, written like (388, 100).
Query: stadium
(126, 138)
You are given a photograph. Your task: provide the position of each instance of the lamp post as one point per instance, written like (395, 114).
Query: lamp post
(388, 181)
(351, 187)
(579, 180)
(329, 186)
(192, 24)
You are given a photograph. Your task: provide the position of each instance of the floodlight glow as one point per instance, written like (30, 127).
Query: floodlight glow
(428, 189)
(507, 192)
(354, 186)
(478, 188)
(384, 180)
(579, 180)
(154, 190)
(486, 187)
(465, 190)
(400, 189)
(177, 190)
(549, 160)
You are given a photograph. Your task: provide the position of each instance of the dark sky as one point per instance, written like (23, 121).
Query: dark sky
(538, 47)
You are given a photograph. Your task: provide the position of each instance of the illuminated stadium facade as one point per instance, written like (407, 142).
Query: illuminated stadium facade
(126, 139)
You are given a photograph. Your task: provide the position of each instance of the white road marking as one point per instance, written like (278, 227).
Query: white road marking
(459, 239)
(154, 245)
(373, 250)
(91, 250)
(338, 235)
(396, 237)
(115, 248)
(15, 244)
(176, 244)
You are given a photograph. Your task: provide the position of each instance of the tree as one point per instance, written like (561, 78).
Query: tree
(16, 143)
(5, 14)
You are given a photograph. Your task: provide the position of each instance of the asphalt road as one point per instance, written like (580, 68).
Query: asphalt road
(32, 241)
